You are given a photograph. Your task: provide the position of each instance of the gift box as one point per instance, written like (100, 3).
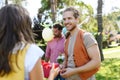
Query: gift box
(47, 67)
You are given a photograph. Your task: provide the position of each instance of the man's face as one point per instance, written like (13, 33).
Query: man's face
(69, 20)
(56, 32)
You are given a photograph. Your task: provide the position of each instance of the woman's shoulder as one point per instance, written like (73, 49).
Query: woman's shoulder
(32, 56)
(34, 49)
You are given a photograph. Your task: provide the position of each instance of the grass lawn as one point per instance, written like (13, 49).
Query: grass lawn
(110, 67)
(112, 52)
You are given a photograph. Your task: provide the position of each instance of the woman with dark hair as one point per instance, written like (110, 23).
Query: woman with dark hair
(20, 57)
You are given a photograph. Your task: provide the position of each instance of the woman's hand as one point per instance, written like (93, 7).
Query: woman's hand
(53, 72)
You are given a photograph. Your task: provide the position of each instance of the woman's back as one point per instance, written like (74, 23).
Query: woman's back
(17, 65)
(16, 27)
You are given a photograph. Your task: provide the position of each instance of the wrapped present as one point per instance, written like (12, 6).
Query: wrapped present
(47, 67)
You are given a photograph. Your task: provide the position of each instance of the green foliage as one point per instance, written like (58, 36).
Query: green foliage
(91, 25)
(17, 1)
(111, 20)
(85, 10)
(45, 5)
(110, 67)
(110, 70)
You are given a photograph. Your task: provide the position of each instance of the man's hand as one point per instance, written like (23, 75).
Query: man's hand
(67, 72)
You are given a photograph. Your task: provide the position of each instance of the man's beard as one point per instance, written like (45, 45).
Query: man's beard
(57, 36)
(73, 28)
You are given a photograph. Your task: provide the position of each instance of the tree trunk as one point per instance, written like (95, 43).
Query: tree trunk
(53, 10)
(6, 2)
(100, 28)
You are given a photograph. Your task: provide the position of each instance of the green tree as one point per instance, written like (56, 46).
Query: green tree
(114, 17)
(110, 23)
(14, 1)
(17, 1)
(60, 4)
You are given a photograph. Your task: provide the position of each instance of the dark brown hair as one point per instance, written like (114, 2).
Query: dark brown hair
(58, 26)
(14, 20)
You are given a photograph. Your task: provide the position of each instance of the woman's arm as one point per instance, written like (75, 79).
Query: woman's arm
(37, 71)
(53, 72)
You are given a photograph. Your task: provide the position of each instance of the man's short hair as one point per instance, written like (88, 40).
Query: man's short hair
(58, 26)
(75, 11)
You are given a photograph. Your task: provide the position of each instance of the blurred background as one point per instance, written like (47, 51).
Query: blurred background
(100, 17)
